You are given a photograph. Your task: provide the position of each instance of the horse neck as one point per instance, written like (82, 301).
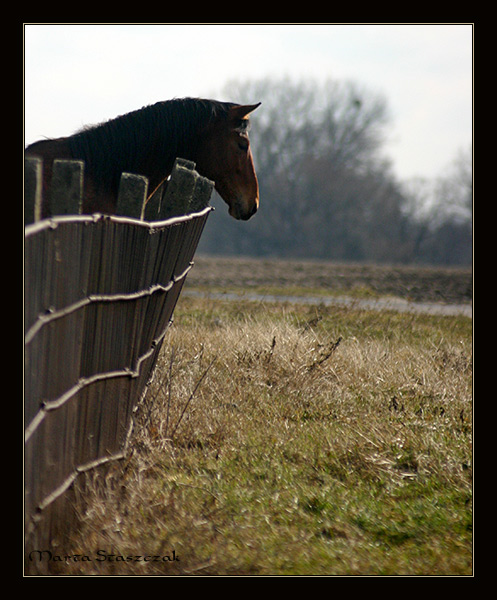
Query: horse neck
(140, 143)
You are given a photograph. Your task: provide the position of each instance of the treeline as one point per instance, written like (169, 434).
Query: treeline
(328, 192)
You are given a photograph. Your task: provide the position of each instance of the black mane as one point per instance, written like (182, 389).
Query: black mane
(145, 141)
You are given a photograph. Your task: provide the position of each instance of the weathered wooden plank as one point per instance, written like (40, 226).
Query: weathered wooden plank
(67, 187)
(187, 164)
(179, 192)
(32, 189)
(170, 199)
(201, 195)
(132, 195)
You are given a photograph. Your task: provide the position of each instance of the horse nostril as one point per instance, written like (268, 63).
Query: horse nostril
(254, 210)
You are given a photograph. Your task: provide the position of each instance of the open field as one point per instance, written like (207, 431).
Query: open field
(417, 284)
(285, 439)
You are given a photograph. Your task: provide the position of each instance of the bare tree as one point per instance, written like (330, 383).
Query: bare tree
(439, 214)
(327, 191)
(341, 120)
(454, 189)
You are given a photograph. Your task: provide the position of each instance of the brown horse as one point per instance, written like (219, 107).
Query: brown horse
(212, 134)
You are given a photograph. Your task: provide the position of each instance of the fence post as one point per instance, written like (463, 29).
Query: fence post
(66, 187)
(178, 194)
(132, 195)
(201, 195)
(32, 189)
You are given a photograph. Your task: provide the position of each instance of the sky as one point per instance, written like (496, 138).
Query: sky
(78, 74)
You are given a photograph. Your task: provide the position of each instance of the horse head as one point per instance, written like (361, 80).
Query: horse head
(225, 157)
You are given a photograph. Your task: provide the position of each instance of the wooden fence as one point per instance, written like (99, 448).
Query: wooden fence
(99, 297)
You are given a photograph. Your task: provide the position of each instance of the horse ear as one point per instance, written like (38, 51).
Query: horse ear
(242, 111)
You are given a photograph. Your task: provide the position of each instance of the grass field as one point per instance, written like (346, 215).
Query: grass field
(283, 439)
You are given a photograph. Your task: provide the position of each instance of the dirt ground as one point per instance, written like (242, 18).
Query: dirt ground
(417, 284)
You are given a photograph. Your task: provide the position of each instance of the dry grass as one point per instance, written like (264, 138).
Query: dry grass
(293, 440)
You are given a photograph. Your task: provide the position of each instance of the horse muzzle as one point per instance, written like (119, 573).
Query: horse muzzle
(242, 213)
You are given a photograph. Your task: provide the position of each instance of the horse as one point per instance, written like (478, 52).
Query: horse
(210, 133)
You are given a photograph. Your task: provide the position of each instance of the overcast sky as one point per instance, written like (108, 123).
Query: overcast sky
(81, 74)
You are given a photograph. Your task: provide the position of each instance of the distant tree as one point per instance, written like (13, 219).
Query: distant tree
(341, 120)
(439, 214)
(454, 190)
(326, 189)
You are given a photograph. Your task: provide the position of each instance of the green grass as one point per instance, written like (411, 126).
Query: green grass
(289, 440)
